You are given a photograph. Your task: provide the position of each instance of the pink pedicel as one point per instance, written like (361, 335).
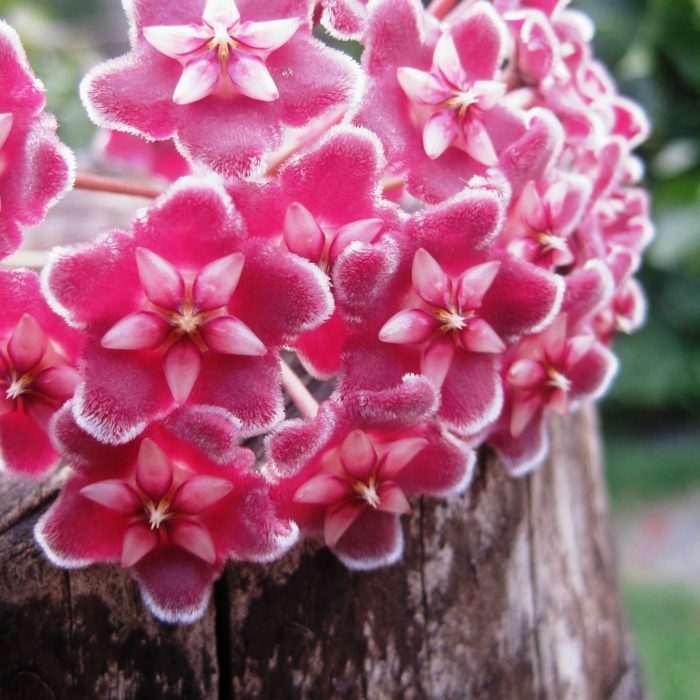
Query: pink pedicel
(165, 509)
(224, 79)
(35, 167)
(38, 374)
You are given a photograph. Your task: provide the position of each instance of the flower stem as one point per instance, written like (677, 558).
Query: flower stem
(100, 183)
(439, 8)
(298, 393)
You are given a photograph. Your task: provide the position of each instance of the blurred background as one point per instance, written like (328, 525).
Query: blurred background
(651, 419)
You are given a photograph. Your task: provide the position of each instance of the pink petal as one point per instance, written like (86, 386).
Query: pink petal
(338, 520)
(6, 405)
(228, 335)
(478, 36)
(267, 36)
(577, 347)
(250, 75)
(182, 366)
(526, 374)
(439, 132)
(558, 402)
(478, 336)
(408, 326)
(6, 120)
(421, 87)
(199, 492)
(532, 210)
(176, 40)
(194, 538)
(393, 499)
(437, 360)
(399, 454)
(489, 93)
(221, 11)
(374, 539)
(139, 540)
(555, 340)
(365, 230)
(154, 470)
(215, 284)
(59, 381)
(323, 489)
(357, 455)
(447, 61)
(40, 411)
(199, 78)
(555, 199)
(474, 283)
(27, 344)
(477, 142)
(430, 281)
(114, 494)
(302, 234)
(523, 412)
(160, 280)
(140, 331)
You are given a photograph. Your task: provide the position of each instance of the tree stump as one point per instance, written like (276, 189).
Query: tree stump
(507, 592)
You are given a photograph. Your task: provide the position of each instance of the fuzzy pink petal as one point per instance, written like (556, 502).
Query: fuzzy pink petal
(374, 539)
(592, 375)
(302, 234)
(228, 335)
(76, 531)
(250, 75)
(523, 453)
(139, 540)
(399, 454)
(221, 11)
(478, 336)
(182, 365)
(421, 87)
(357, 455)
(323, 489)
(364, 230)
(408, 326)
(429, 279)
(24, 446)
(479, 41)
(140, 331)
(474, 283)
(6, 120)
(154, 470)
(267, 36)
(199, 78)
(439, 132)
(176, 40)
(392, 499)
(27, 344)
(319, 349)
(338, 520)
(114, 494)
(162, 283)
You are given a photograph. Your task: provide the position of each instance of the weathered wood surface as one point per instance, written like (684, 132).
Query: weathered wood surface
(507, 592)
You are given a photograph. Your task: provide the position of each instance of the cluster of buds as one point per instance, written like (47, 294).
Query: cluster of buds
(448, 230)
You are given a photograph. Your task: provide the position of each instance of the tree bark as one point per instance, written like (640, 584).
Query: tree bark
(507, 592)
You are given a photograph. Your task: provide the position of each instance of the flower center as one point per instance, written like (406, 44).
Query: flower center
(222, 41)
(157, 514)
(549, 242)
(188, 321)
(558, 381)
(368, 492)
(18, 387)
(451, 319)
(462, 101)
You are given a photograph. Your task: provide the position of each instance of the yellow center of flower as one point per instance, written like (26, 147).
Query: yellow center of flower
(157, 514)
(558, 381)
(550, 242)
(188, 321)
(18, 387)
(462, 101)
(368, 492)
(222, 41)
(451, 320)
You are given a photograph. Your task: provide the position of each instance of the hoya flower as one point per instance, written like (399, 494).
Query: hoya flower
(156, 158)
(547, 220)
(35, 167)
(345, 19)
(170, 508)
(186, 308)
(446, 301)
(346, 477)
(222, 77)
(319, 204)
(435, 101)
(554, 371)
(38, 352)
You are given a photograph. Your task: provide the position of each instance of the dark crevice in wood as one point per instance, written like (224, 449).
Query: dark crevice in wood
(27, 510)
(224, 650)
(533, 585)
(71, 642)
(423, 587)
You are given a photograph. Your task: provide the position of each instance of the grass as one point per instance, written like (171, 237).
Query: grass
(666, 624)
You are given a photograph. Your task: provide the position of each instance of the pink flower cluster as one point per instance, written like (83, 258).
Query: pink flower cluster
(448, 229)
